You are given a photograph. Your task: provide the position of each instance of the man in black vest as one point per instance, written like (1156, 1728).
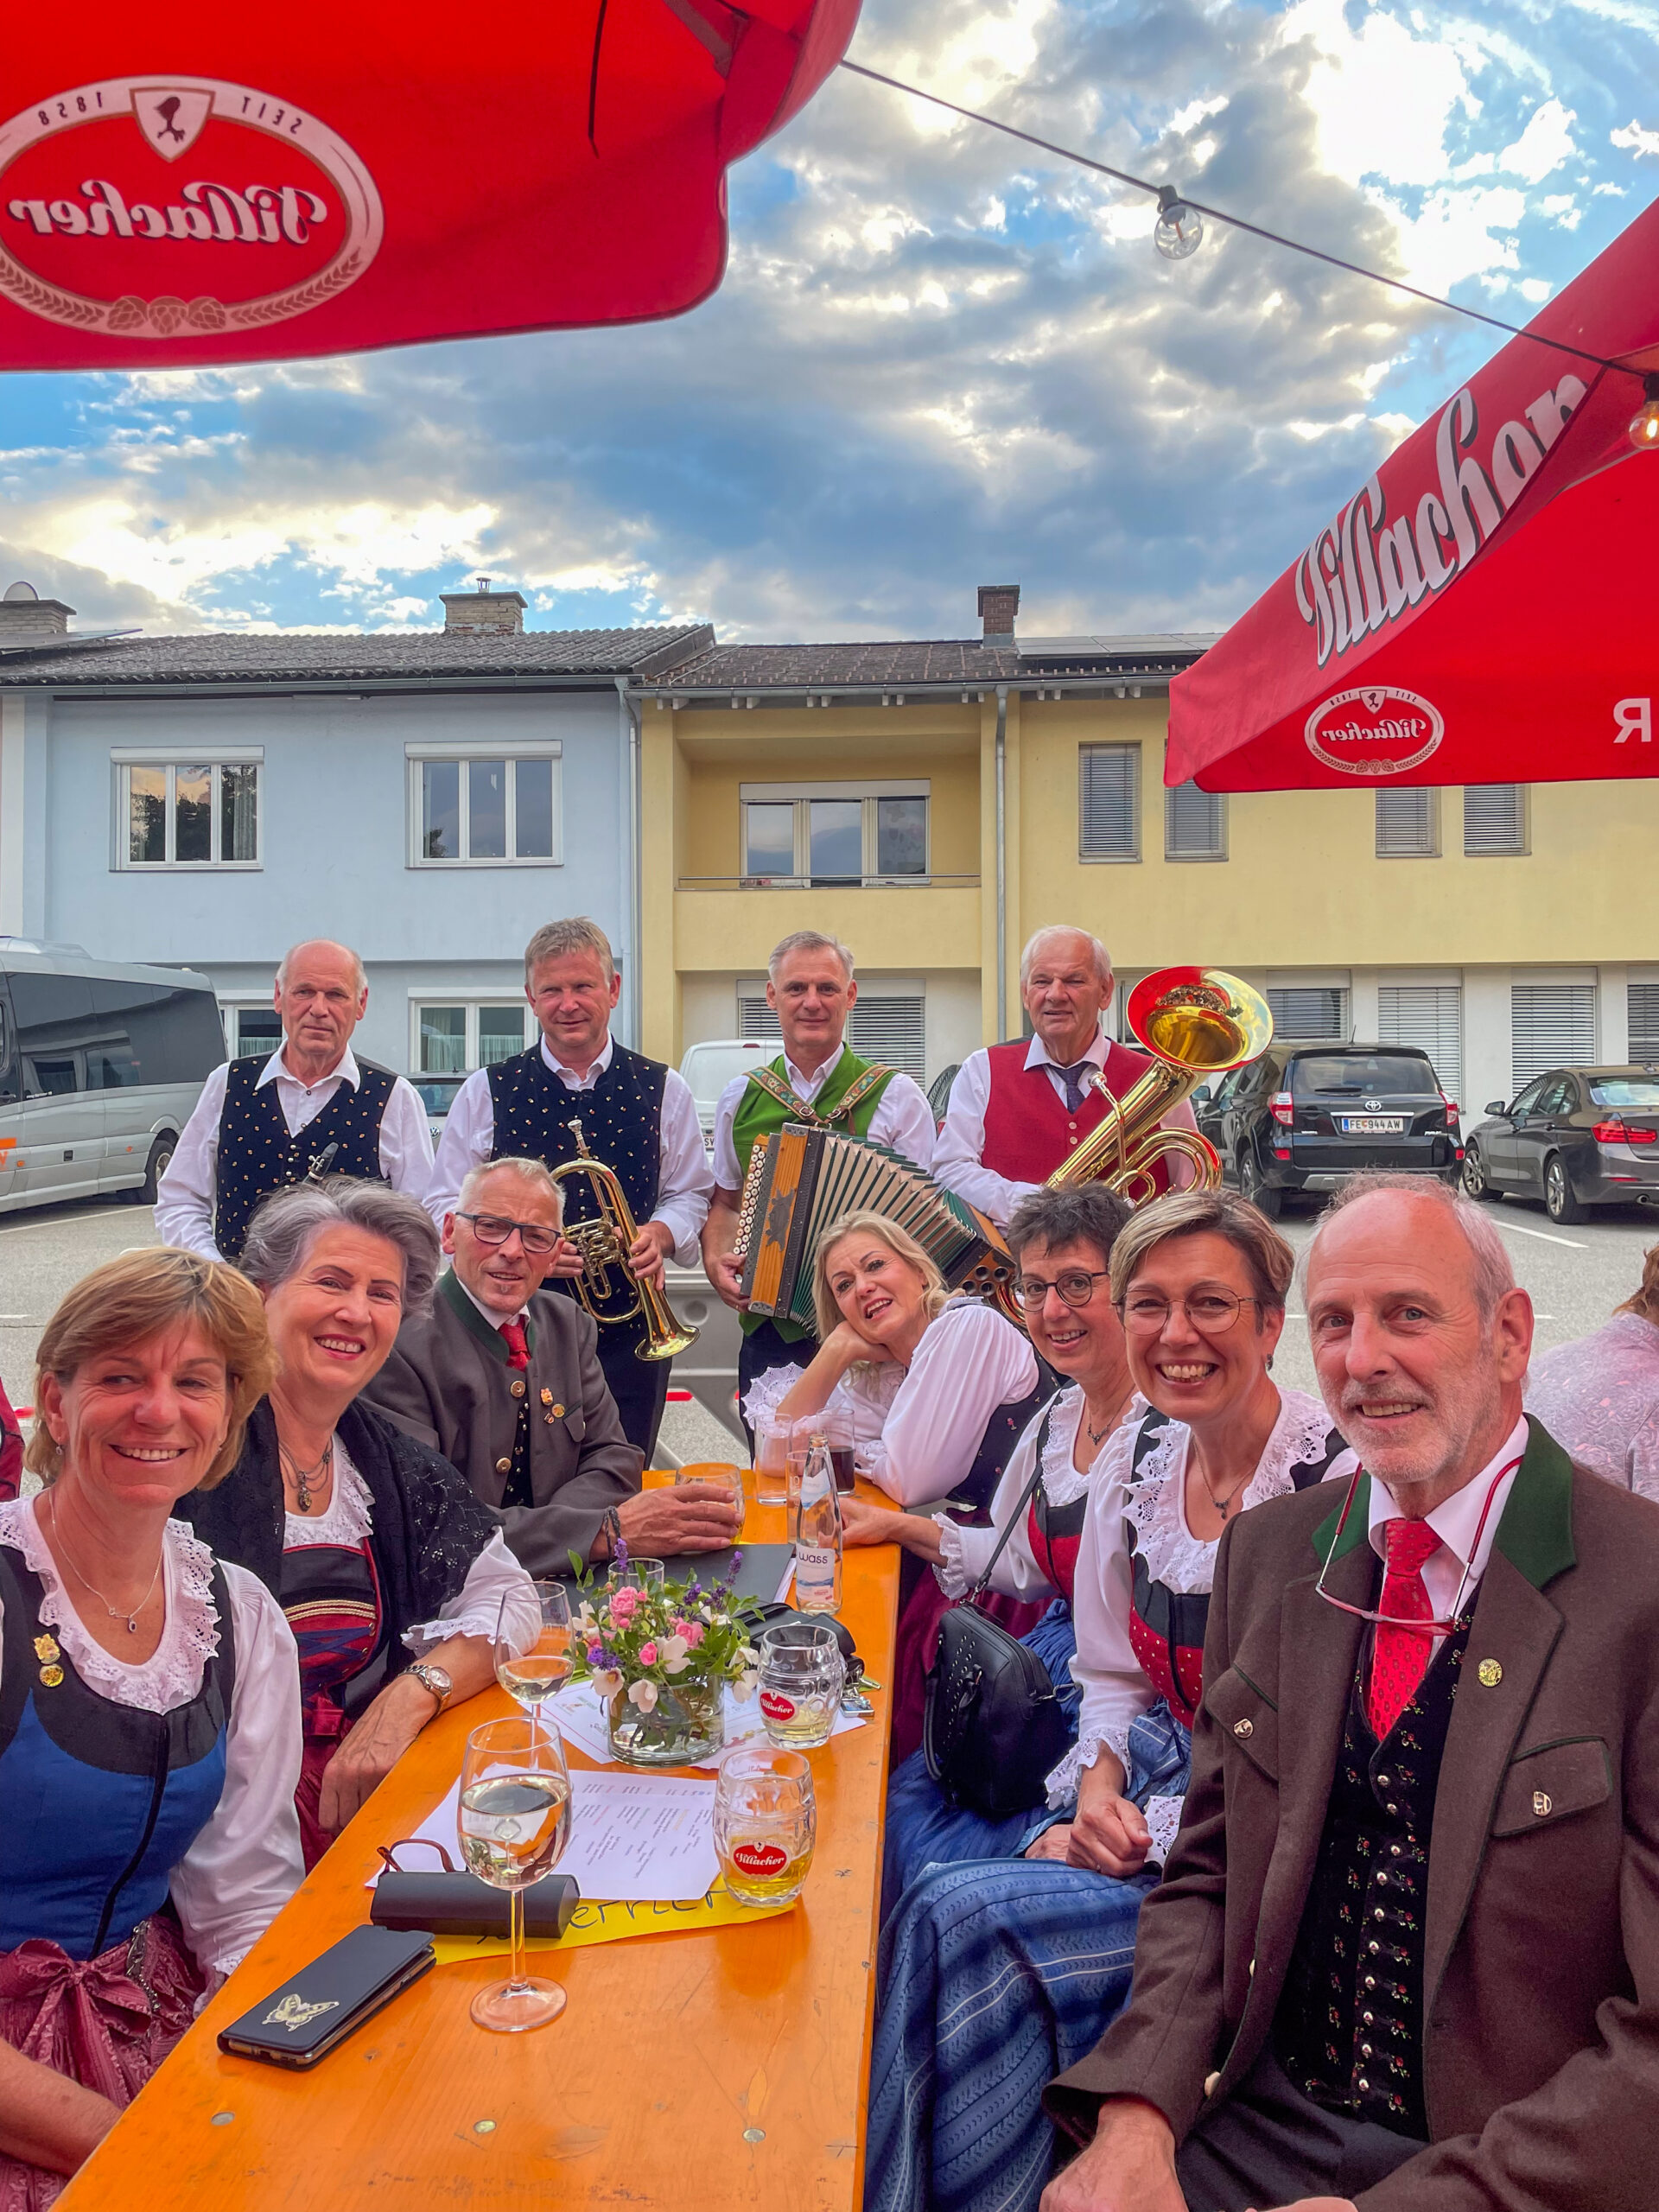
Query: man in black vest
(579, 1090)
(261, 1125)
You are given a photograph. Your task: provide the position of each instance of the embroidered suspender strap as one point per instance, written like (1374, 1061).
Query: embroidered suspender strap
(1020, 1511)
(857, 1093)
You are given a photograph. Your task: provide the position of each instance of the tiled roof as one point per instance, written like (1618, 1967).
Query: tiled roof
(221, 656)
(920, 663)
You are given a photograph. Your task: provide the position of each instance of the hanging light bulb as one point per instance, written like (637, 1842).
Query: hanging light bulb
(1644, 423)
(1181, 229)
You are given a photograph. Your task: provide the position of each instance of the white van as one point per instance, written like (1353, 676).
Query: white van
(100, 1067)
(709, 1067)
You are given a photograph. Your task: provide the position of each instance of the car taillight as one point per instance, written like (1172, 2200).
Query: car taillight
(1618, 1133)
(1282, 1109)
(1451, 1106)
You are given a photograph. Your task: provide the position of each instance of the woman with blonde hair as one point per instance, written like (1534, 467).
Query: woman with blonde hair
(150, 1708)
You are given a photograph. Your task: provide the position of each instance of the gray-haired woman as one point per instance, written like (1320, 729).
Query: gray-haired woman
(374, 1546)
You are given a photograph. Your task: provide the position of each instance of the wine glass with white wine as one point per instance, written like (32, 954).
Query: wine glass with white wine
(514, 1821)
(534, 1675)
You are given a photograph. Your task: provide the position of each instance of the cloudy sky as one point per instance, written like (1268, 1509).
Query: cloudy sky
(937, 359)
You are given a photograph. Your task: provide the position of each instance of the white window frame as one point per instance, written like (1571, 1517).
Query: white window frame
(418, 757)
(124, 758)
(801, 796)
(472, 1007)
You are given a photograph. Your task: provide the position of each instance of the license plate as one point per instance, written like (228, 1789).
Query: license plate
(1371, 1125)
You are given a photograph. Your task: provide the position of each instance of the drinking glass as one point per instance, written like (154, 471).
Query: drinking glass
(801, 1678)
(533, 1676)
(771, 1460)
(638, 1575)
(724, 1475)
(766, 1823)
(513, 1821)
(834, 1425)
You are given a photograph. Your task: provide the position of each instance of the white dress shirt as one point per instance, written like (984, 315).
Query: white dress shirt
(683, 1181)
(903, 1120)
(961, 1138)
(1455, 1522)
(184, 1200)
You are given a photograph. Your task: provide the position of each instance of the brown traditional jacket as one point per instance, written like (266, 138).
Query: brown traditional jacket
(448, 1381)
(1540, 1990)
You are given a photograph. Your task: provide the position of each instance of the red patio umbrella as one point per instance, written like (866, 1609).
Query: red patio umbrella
(1486, 609)
(198, 183)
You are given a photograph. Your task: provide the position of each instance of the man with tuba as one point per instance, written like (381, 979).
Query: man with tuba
(1018, 1110)
(578, 1093)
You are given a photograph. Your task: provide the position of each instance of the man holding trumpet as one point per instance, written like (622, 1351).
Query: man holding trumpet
(578, 1092)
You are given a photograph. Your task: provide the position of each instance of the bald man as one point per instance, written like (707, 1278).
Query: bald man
(261, 1125)
(1016, 1110)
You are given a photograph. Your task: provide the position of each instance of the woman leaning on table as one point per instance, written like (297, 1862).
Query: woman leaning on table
(390, 1570)
(150, 1721)
(1027, 1959)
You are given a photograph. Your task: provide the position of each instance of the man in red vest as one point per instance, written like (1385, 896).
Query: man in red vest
(1016, 1110)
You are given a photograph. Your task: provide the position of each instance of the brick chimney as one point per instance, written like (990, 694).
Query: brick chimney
(998, 605)
(484, 612)
(26, 619)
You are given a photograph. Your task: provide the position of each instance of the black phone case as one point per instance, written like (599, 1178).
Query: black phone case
(328, 2000)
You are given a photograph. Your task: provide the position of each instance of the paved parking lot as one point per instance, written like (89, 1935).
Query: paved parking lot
(1576, 1277)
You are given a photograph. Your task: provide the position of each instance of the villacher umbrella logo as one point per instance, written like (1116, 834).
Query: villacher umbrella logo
(1374, 731)
(150, 208)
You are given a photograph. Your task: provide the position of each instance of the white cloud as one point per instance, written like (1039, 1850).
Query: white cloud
(1383, 100)
(1639, 141)
(1545, 144)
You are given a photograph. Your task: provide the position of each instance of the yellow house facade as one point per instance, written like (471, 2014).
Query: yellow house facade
(933, 802)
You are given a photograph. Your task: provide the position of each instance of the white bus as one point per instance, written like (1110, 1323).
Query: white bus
(100, 1066)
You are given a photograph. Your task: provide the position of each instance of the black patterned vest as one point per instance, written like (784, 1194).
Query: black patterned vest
(1349, 2026)
(257, 1155)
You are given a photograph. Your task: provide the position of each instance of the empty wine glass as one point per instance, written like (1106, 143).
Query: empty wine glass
(536, 1674)
(513, 1820)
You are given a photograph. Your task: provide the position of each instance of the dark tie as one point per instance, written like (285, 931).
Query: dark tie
(512, 1335)
(1400, 1656)
(1073, 1079)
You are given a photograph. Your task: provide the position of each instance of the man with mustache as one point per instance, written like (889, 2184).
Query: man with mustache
(1406, 1954)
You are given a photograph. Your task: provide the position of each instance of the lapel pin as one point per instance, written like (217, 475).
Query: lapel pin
(1542, 1803)
(547, 1397)
(1491, 1672)
(46, 1648)
(51, 1676)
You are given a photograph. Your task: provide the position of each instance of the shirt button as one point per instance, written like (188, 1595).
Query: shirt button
(504, 1467)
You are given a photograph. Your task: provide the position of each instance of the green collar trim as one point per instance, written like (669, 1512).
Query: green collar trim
(451, 1291)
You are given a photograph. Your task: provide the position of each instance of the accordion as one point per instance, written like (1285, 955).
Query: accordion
(801, 1180)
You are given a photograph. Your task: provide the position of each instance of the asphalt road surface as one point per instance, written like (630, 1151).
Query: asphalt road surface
(1576, 1277)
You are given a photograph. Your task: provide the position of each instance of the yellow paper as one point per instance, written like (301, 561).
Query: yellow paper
(596, 1922)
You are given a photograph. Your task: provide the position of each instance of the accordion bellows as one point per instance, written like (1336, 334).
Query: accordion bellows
(801, 1179)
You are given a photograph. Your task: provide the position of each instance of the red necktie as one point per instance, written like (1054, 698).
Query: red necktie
(1400, 1656)
(512, 1333)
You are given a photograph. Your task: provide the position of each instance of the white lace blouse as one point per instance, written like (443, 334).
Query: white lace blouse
(348, 1518)
(1115, 1691)
(245, 1863)
(918, 1430)
(1600, 1400)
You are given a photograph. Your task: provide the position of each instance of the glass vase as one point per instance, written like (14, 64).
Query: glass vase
(684, 1725)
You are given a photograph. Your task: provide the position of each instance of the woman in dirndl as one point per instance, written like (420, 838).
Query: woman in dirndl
(999, 1972)
(149, 1711)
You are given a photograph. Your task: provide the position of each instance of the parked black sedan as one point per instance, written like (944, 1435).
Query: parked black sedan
(1575, 1138)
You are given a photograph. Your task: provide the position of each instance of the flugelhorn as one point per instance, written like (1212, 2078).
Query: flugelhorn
(604, 1242)
(1195, 1023)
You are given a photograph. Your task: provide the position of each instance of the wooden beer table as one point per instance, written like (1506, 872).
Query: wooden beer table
(717, 2069)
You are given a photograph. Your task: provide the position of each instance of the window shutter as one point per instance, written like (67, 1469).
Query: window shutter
(1194, 824)
(755, 1019)
(892, 1030)
(1108, 802)
(1552, 1026)
(1429, 1016)
(1310, 1012)
(1644, 1022)
(1405, 823)
(1495, 818)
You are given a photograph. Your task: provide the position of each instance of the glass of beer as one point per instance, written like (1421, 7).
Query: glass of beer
(772, 1460)
(534, 1675)
(724, 1475)
(801, 1678)
(766, 1823)
(513, 1822)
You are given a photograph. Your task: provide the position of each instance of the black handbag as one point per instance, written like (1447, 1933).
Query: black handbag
(994, 1726)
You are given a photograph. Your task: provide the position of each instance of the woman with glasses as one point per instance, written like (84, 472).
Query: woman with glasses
(995, 1977)
(391, 1573)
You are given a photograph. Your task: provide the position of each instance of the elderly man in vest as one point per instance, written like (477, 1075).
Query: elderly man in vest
(1016, 1110)
(818, 1077)
(1405, 1955)
(504, 1380)
(261, 1125)
(578, 1090)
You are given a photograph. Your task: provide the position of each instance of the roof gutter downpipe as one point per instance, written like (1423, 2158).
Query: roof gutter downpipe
(636, 832)
(1001, 862)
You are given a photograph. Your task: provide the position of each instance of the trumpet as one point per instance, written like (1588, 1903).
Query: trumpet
(604, 1242)
(1195, 1023)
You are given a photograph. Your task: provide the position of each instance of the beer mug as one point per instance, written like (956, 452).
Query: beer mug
(801, 1678)
(766, 1823)
(724, 1475)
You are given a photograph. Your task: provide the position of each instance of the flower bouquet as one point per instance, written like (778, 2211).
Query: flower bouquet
(660, 1659)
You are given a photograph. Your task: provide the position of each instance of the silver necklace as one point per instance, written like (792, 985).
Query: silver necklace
(304, 1477)
(115, 1612)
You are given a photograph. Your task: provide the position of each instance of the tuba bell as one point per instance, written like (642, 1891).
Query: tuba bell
(1195, 1023)
(604, 1242)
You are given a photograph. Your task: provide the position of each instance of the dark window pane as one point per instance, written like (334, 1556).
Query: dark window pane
(486, 803)
(147, 814)
(443, 1039)
(440, 810)
(769, 840)
(110, 1066)
(259, 1029)
(901, 837)
(174, 1032)
(194, 793)
(533, 809)
(837, 840)
(500, 1033)
(54, 1024)
(239, 787)
(10, 1077)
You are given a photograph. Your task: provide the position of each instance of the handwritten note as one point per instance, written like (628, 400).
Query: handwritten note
(635, 1839)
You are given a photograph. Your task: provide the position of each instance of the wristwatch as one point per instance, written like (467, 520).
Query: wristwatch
(435, 1679)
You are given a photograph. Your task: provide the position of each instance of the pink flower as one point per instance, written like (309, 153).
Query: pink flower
(624, 1604)
(692, 1631)
(648, 1655)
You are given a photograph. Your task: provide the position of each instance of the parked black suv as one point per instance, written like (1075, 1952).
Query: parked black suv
(1303, 1117)
(1575, 1138)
